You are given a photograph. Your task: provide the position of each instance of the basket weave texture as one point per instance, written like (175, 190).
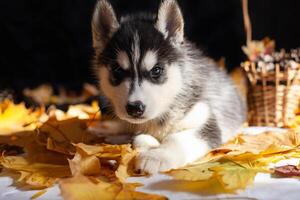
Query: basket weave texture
(273, 95)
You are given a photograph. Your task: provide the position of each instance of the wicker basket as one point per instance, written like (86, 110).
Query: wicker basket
(273, 95)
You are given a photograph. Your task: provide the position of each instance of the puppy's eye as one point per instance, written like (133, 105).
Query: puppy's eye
(156, 72)
(117, 72)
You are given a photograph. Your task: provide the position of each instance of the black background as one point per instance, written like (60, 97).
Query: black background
(50, 40)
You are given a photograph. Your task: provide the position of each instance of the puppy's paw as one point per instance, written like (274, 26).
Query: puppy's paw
(157, 160)
(144, 142)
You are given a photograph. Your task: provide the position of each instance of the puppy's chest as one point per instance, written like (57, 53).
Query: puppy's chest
(179, 121)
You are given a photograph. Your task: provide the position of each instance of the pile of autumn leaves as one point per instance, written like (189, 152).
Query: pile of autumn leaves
(58, 148)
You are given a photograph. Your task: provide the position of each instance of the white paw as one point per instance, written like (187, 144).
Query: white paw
(144, 142)
(157, 160)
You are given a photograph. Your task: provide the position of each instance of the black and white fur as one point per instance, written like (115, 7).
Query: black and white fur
(191, 107)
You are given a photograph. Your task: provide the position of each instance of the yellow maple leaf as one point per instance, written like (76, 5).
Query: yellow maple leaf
(85, 165)
(266, 160)
(122, 154)
(230, 174)
(61, 147)
(126, 167)
(80, 111)
(83, 111)
(88, 188)
(82, 188)
(194, 172)
(265, 143)
(59, 135)
(210, 186)
(236, 176)
(236, 163)
(128, 192)
(16, 117)
(50, 146)
(36, 175)
(38, 194)
(95, 149)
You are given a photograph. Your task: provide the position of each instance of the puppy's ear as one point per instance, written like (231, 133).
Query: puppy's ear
(104, 24)
(170, 21)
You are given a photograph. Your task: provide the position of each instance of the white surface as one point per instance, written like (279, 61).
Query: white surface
(265, 187)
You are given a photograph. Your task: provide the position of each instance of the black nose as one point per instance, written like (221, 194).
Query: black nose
(135, 109)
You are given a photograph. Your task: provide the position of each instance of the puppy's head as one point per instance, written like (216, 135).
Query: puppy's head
(138, 60)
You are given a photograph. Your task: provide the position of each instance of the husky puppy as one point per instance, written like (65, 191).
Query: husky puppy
(177, 102)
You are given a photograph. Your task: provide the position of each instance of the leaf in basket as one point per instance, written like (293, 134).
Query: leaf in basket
(256, 48)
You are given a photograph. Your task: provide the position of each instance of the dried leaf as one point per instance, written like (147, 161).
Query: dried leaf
(232, 175)
(287, 171)
(236, 176)
(265, 143)
(59, 135)
(84, 188)
(16, 117)
(236, 163)
(38, 194)
(90, 149)
(124, 166)
(61, 146)
(37, 175)
(85, 165)
(256, 48)
(128, 192)
(122, 154)
(41, 94)
(195, 172)
(211, 186)
(10, 149)
(82, 111)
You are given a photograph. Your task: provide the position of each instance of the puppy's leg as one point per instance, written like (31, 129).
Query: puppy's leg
(114, 132)
(179, 149)
(109, 127)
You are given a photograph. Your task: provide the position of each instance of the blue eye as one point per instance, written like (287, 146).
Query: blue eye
(156, 72)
